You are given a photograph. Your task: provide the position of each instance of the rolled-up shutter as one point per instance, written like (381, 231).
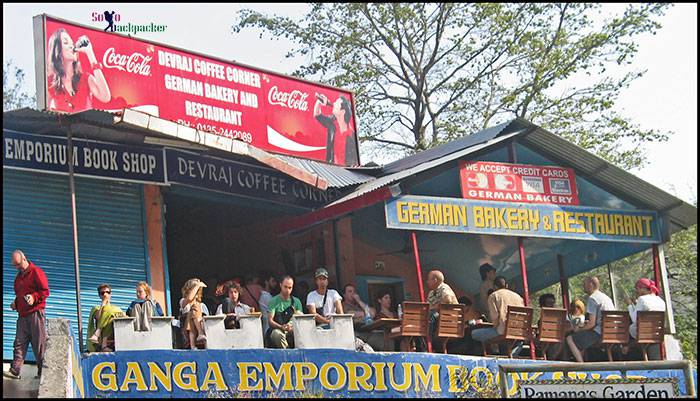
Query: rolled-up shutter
(37, 219)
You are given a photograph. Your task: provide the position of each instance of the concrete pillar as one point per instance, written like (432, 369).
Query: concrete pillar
(153, 204)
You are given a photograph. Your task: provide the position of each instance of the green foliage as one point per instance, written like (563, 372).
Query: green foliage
(426, 73)
(13, 93)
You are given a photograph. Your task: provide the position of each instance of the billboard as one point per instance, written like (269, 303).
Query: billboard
(80, 68)
(505, 182)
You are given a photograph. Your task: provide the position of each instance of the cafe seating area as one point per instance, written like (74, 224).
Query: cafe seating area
(411, 332)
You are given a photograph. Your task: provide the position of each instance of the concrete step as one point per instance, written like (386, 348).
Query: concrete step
(26, 387)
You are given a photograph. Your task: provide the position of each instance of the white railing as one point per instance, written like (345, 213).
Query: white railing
(341, 333)
(250, 334)
(127, 339)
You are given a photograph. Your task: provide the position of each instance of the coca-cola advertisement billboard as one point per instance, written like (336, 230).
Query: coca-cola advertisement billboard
(81, 68)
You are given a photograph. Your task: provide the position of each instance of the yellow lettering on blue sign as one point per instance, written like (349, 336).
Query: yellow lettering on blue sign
(356, 381)
(406, 376)
(275, 377)
(248, 371)
(432, 376)
(342, 376)
(213, 369)
(162, 376)
(179, 378)
(301, 376)
(98, 377)
(133, 375)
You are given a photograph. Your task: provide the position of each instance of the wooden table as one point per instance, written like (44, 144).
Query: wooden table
(385, 324)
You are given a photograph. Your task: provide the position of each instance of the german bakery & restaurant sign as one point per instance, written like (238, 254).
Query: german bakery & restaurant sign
(81, 68)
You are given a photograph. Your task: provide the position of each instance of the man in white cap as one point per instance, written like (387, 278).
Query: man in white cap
(323, 301)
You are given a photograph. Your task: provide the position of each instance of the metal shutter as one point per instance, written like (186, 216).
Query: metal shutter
(37, 219)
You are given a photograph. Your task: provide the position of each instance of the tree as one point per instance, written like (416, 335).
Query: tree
(14, 95)
(425, 73)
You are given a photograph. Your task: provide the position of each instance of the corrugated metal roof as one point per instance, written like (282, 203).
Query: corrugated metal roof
(613, 179)
(335, 175)
(98, 124)
(599, 171)
(423, 166)
(453, 146)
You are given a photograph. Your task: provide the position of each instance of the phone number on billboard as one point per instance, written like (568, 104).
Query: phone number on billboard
(228, 133)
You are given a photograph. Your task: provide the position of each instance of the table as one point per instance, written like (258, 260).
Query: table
(385, 324)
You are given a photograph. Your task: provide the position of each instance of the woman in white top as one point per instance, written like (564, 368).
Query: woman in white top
(648, 299)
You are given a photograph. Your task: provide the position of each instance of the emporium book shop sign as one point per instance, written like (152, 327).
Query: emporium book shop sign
(505, 182)
(90, 158)
(521, 219)
(270, 111)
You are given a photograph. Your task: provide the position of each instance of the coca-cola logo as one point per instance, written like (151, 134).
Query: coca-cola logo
(295, 99)
(136, 63)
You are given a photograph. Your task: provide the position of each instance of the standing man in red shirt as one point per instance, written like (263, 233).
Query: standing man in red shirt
(31, 291)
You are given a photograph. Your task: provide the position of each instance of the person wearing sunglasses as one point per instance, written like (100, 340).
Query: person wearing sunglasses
(31, 290)
(100, 326)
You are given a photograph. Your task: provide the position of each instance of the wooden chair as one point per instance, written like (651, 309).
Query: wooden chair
(552, 328)
(414, 323)
(650, 330)
(615, 327)
(518, 328)
(450, 323)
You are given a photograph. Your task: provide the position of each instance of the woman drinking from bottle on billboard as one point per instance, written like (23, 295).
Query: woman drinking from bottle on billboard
(70, 89)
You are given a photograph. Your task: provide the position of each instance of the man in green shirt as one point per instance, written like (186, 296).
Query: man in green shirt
(281, 335)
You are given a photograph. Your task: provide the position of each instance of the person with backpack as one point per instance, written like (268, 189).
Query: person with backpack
(282, 306)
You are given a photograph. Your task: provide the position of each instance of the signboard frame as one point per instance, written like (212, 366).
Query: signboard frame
(40, 34)
(594, 384)
(520, 194)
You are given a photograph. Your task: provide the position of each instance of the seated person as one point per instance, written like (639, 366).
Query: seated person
(547, 301)
(361, 313)
(282, 306)
(323, 301)
(498, 303)
(143, 307)
(100, 323)
(191, 312)
(589, 335)
(384, 305)
(648, 299)
(577, 314)
(440, 293)
(232, 307)
(553, 350)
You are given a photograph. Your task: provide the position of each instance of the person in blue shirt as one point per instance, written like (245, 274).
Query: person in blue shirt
(143, 307)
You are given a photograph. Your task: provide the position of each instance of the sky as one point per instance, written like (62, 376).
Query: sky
(665, 98)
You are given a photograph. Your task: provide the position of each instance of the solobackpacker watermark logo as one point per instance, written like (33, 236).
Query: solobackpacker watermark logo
(115, 24)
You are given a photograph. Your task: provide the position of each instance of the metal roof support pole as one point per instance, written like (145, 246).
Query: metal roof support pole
(657, 279)
(667, 290)
(71, 181)
(612, 286)
(420, 279)
(526, 291)
(563, 282)
(336, 252)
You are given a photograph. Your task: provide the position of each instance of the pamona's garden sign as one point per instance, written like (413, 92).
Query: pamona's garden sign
(334, 373)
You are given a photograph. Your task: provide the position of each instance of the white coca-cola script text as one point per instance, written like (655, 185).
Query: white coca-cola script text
(136, 63)
(295, 99)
